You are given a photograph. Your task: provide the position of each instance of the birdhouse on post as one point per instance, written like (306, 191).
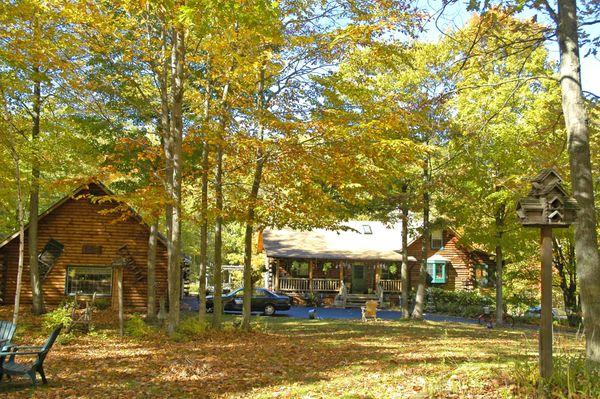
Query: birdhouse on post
(548, 203)
(547, 206)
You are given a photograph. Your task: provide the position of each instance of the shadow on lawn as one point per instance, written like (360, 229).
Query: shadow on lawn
(289, 352)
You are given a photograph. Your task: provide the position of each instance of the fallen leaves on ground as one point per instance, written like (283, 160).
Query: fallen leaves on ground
(287, 359)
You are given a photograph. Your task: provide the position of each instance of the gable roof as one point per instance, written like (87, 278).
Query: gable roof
(96, 189)
(356, 240)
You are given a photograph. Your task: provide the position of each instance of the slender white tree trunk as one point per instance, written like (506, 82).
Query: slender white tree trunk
(21, 236)
(586, 240)
(151, 280)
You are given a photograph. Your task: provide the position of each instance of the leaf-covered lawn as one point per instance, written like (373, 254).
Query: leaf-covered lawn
(286, 358)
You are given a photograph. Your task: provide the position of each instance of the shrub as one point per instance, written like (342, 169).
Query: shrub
(458, 303)
(192, 327)
(60, 315)
(137, 327)
(573, 377)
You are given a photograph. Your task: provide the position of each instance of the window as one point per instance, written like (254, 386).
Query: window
(299, 269)
(88, 280)
(47, 258)
(437, 239)
(482, 275)
(258, 293)
(437, 272)
(367, 229)
(389, 272)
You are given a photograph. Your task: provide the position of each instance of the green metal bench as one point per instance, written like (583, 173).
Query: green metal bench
(7, 331)
(10, 367)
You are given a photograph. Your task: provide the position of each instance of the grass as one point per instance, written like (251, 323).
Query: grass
(288, 358)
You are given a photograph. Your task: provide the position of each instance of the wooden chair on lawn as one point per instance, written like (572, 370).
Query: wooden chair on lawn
(369, 311)
(10, 367)
(7, 331)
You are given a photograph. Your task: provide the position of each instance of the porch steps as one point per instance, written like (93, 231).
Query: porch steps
(358, 300)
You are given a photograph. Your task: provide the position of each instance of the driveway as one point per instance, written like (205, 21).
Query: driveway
(301, 312)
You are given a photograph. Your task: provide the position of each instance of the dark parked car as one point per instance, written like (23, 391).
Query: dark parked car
(535, 312)
(263, 300)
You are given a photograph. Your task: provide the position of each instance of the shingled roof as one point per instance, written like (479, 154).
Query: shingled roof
(357, 240)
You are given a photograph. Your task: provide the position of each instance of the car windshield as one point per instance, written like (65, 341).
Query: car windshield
(257, 292)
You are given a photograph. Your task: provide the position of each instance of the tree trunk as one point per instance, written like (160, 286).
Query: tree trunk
(500, 215)
(586, 240)
(217, 282)
(258, 171)
(177, 88)
(167, 142)
(151, 311)
(204, 209)
(420, 296)
(248, 241)
(217, 267)
(34, 195)
(566, 266)
(404, 271)
(21, 236)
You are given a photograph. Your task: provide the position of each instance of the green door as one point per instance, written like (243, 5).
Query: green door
(359, 282)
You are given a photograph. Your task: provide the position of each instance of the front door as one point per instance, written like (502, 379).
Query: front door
(359, 283)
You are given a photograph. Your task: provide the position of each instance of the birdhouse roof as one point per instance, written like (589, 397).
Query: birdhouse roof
(543, 190)
(543, 176)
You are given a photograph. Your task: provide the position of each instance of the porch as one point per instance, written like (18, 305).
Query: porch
(328, 277)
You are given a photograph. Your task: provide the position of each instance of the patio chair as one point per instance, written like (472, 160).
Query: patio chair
(30, 369)
(369, 311)
(7, 331)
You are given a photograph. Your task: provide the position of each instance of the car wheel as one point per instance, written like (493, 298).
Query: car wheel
(269, 310)
(209, 309)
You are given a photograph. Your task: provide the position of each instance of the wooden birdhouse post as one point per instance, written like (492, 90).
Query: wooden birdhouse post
(547, 206)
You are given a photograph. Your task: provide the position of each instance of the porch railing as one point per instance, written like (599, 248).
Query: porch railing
(303, 284)
(391, 285)
(326, 284)
(293, 284)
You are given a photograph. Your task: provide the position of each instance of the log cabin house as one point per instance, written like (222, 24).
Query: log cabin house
(364, 260)
(81, 240)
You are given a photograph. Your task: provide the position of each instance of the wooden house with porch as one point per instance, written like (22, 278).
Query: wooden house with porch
(362, 261)
(82, 239)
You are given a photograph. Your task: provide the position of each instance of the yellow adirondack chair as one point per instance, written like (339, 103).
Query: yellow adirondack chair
(369, 311)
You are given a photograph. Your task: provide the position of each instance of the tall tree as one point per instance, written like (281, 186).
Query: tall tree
(177, 90)
(37, 68)
(568, 17)
(418, 310)
(505, 100)
(586, 235)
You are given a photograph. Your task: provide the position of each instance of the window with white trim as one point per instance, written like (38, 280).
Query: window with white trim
(437, 239)
(87, 280)
(437, 272)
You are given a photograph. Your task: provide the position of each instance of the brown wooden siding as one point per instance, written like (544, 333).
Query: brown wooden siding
(79, 222)
(459, 270)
